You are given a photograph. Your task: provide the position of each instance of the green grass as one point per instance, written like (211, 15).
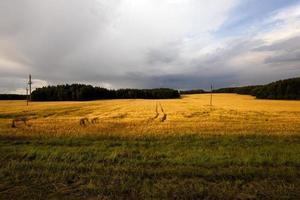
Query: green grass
(187, 167)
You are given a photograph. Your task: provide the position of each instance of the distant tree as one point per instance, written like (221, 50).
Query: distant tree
(199, 91)
(12, 97)
(283, 89)
(80, 92)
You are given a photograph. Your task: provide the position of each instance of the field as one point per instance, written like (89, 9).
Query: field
(230, 114)
(239, 148)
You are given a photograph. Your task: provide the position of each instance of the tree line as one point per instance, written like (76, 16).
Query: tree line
(81, 92)
(282, 89)
(12, 97)
(198, 91)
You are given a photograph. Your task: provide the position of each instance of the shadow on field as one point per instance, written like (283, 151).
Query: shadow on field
(174, 167)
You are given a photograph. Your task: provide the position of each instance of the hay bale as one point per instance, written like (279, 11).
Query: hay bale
(95, 120)
(83, 121)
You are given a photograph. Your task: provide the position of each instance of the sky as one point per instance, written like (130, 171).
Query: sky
(181, 44)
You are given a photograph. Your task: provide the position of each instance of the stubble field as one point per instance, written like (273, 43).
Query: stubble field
(239, 148)
(192, 114)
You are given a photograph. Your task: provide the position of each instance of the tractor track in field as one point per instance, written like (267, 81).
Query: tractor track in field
(164, 117)
(158, 107)
(156, 111)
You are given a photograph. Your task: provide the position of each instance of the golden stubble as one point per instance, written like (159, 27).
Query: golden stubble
(191, 114)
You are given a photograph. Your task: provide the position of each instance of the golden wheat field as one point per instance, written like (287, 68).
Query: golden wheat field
(192, 114)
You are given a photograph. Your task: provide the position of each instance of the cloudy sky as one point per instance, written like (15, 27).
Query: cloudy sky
(182, 44)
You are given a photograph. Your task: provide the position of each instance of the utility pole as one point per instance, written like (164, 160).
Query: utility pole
(29, 83)
(27, 95)
(211, 91)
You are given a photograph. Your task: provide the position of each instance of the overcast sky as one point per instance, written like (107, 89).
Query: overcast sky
(182, 44)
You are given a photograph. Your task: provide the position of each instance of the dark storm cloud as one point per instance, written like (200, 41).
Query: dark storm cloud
(167, 53)
(285, 57)
(184, 81)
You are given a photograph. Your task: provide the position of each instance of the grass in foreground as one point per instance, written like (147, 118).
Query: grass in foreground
(187, 167)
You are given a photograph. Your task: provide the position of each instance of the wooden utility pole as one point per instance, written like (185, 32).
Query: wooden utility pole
(27, 95)
(211, 93)
(29, 84)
